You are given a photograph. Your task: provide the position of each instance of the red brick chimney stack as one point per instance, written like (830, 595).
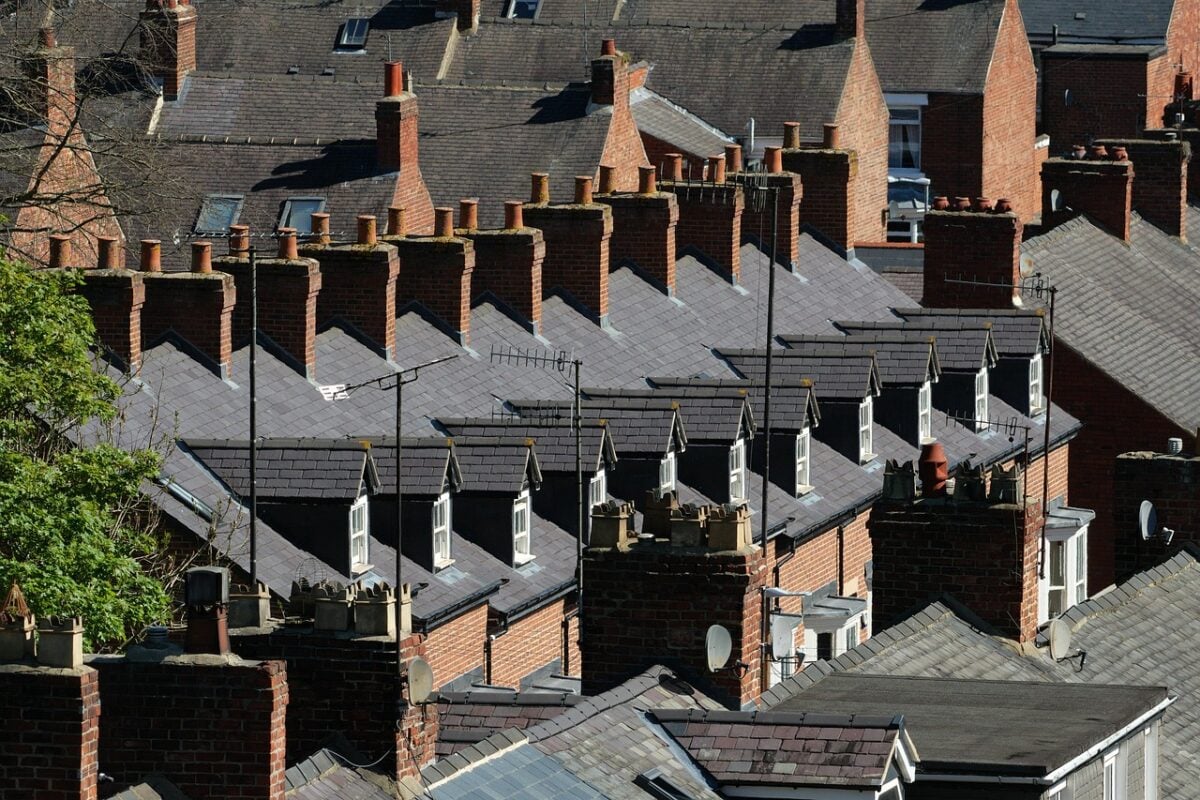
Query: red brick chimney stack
(440, 279)
(851, 18)
(168, 42)
(1095, 185)
(1160, 184)
(710, 222)
(610, 78)
(51, 69)
(396, 148)
(980, 243)
(196, 305)
(467, 12)
(508, 266)
(116, 297)
(830, 182)
(644, 229)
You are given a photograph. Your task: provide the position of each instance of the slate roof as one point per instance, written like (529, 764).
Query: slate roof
(837, 374)
(657, 116)
(501, 464)
(793, 402)
(299, 469)
(985, 727)
(465, 718)
(640, 426)
(710, 414)
(430, 465)
(903, 358)
(324, 776)
(786, 749)
(1016, 333)
(554, 439)
(1130, 308)
(963, 345)
(155, 787)
(955, 39)
(1141, 632)
(1103, 20)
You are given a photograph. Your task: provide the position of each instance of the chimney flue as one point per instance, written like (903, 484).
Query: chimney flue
(468, 214)
(395, 222)
(443, 223)
(48, 38)
(239, 240)
(287, 244)
(393, 79)
(791, 135)
(151, 255)
(646, 180)
(366, 229)
(539, 191)
(108, 255)
(733, 157)
(60, 250)
(583, 190)
(201, 257)
(608, 179)
(674, 167)
(513, 217)
(319, 224)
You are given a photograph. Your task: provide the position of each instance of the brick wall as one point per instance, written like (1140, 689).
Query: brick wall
(1160, 182)
(287, 303)
(952, 128)
(984, 554)
(216, 730)
(1096, 186)
(455, 648)
(529, 644)
(396, 124)
(710, 223)
(168, 44)
(967, 245)
(1172, 484)
(654, 603)
(1115, 420)
(1183, 35)
(623, 149)
(116, 298)
(50, 733)
(577, 251)
(197, 306)
(1009, 119)
(863, 120)
(644, 233)
(508, 264)
(442, 283)
(358, 285)
(1060, 461)
(1084, 97)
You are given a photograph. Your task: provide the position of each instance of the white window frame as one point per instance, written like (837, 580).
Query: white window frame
(667, 473)
(1056, 791)
(866, 433)
(441, 522)
(292, 206)
(737, 471)
(981, 400)
(522, 529)
(925, 412)
(1073, 576)
(360, 538)
(1114, 788)
(893, 122)
(597, 489)
(1150, 762)
(1037, 401)
(804, 461)
(1079, 558)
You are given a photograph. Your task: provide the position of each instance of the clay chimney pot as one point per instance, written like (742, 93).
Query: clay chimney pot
(674, 167)
(514, 219)
(393, 79)
(716, 169)
(832, 137)
(773, 157)
(608, 179)
(983, 204)
(60, 250)
(151, 255)
(319, 225)
(201, 257)
(1097, 151)
(646, 180)
(733, 157)
(443, 223)
(395, 222)
(468, 214)
(1003, 206)
(941, 203)
(366, 229)
(239, 240)
(108, 254)
(583, 190)
(962, 204)
(287, 244)
(539, 192)
(791, 135)
(608, 47)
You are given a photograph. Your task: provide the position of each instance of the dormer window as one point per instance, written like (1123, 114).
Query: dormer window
(925, 412)
(737, 471)
(1036, 400)
(520, 527)
(981, 400)
(597, 489)
(441, 531)
(359, 540)
(866, 440)
(666, 473)
(803, 446)
(1065, 583)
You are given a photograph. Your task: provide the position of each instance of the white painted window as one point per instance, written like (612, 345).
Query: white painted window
(849, 637)
(1036, 400)
(598, 489)
(803, 448)
(737, 471)
(925, 412)
(441, 530)
(1079, 583)
(1113, 785)
(866, 420)
(904, 138)
(359, 537)
(981, 399)
(1057, 575)
(1065, 581)
(520, 527)
(1150, 767)
(1057, 792)
(666, 473)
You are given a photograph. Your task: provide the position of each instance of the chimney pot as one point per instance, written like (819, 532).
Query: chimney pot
(48, 38)
(1119, 153)
(791, 135)
(962, 204)
(941, 203)
(1078, 151)
(151, 255)
(583, 190)
(513, 216)
(395, 222)
(287, 244)
(646, 180)
(733, 157)
(366, 229)
(468, 214)
(60, 250)
(201, 257)
(983, 204)
(393, 79)
(539, 192)
(933, 469)
(774, 159)
(444, 223)
(832, 137)
(239, 240)
(608, 179)
(319, 224)
(1003, 206)
(674, 166)
(608, 47)
(716, 169)
(1097, 152)
(109, 252)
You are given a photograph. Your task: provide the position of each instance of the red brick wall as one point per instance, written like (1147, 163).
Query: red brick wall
(455, 648)
(952, 128)
(644, 233)
(509, 265)
(216, 731)
(358, 284)
(1009, 119)
(577, 251)
(199, 307)
(760, 224)
(1183, 35)
(711, 223)
(965, 245)
(1160, 181)
(396, 121)
(529, 644)
(1115, 420)
(862, 117)
(623, 149)
(1172, 484)
(1100, 188)
(168, 41)
(116, 298)
(985, 555)
(50, 733)
(287, 303)
(440, 279)
(1060, 462)
(1108, 97)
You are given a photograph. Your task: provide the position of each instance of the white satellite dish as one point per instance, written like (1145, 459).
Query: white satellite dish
(1026, 264)
(420, 680)
(1060, 639)
(1147, 520)
(782, 631)
(718, 646)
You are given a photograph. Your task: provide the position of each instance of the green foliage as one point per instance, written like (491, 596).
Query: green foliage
(72, 531)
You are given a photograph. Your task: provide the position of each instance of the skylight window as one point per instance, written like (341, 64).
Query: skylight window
(523, 9)
(298, 211)
(217, 213)
(353, 35)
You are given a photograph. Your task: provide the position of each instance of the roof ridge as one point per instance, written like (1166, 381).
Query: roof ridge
(1134, 585)
(598, 704)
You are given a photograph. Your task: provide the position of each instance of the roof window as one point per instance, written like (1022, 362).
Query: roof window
(658, 786)
(523, 9)
(298, 211)
(353, 35)
(217, 213)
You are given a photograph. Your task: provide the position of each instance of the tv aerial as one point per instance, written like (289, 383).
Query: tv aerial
(1148, 524)
(718, 647)
(420, 681)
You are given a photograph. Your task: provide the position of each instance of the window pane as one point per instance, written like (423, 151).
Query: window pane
(524, 9)
(354, 33)
(904, 138)
(217, 213)
(298, 211)
(1058, 567)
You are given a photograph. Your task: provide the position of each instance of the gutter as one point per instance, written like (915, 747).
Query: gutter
(534, 603)
(426, 624)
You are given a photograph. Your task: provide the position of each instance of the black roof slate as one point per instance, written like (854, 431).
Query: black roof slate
(963, 345)
(1097, 20)
(430, 465)
(710, 414)
(903, 358)
(554, 439)
(1016, 333)
(793, 402)
(640, 426)
(299, 469)
(838, 374)
(500, 464)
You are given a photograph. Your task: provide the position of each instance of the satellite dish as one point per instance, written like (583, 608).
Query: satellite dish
(1026, 264)
(718, 646)
(1147, 520)
(420, 680)
(1060, 639)
(781, 636)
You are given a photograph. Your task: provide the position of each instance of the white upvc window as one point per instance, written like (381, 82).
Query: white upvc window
(1079, 580)
(866, 421)
(904, 138)
(1150, 762)
(520, 528)
(597, 489)
(1065, 583)
(1057, 792)
(441, 531)
(981, 400)
(1036, 399)
(666, 473)
(1114, 788)
(737, 471)
(803, 448)
(925, 412)
(359, 537)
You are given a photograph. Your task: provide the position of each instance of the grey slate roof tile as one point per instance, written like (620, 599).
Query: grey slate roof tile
(307, 469)
(1102, 21)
